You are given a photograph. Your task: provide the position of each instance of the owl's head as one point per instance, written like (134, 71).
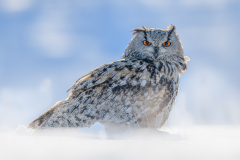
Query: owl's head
(152, 43)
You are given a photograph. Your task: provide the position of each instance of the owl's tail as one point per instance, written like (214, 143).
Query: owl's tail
(45, 116)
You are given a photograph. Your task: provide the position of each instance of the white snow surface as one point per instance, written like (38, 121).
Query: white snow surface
(185, 143)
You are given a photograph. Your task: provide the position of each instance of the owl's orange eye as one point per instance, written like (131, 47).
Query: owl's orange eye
(146, 43)
(166, 44)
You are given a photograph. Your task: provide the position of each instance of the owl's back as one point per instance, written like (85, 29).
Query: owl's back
(124, 92)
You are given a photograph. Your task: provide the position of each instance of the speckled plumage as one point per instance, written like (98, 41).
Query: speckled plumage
(138, 90)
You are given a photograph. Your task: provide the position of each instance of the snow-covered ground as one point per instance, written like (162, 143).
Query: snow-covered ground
(193, 143)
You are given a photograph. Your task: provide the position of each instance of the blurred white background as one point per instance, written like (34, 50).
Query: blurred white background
(46, 45)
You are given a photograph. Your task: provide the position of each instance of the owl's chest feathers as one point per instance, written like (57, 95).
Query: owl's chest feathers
(171, 66)
(160, 69)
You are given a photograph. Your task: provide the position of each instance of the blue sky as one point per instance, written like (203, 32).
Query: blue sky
(45, 46)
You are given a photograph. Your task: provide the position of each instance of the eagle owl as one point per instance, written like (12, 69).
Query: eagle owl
(137, 91)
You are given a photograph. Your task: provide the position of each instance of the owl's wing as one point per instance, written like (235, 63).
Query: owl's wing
(122, 91)
(97, 76)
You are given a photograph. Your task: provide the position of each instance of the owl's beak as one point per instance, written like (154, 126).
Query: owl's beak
(156, 52)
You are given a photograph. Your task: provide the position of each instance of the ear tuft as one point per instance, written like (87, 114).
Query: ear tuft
(171, 29)
(137, 30)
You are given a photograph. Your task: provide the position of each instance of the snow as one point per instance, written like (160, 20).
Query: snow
(193, 143)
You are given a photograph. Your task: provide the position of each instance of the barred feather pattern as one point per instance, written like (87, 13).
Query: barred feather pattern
(134, 92)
